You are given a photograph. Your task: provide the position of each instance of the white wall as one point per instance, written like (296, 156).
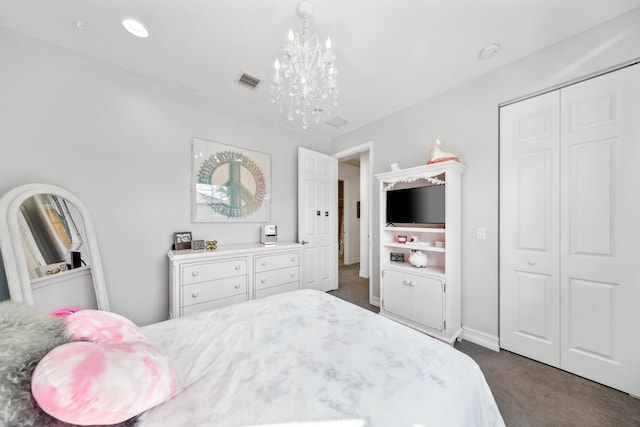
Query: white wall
(122, 144)
(351, 176)
(465, 119)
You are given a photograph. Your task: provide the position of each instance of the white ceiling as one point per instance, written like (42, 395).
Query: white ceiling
(390, 53)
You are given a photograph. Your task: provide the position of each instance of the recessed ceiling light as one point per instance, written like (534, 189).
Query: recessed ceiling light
(135, 27)
(489, 51)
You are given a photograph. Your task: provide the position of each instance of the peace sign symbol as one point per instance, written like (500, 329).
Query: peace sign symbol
(231, 196)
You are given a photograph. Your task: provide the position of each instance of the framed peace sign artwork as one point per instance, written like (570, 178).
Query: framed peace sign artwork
(229, 184)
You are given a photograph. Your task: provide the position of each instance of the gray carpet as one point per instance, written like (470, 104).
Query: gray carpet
(528, 393)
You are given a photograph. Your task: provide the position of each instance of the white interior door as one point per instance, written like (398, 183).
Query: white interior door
(318, 218)
(600, 276)
(529, 227)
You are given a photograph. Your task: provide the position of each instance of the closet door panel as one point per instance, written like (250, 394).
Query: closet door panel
(591, 204)
(534, 303)
(591, 319)
(600, 283)
(529, 203)
(533, 191)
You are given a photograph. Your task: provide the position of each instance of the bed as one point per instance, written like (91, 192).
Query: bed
(302, 357)
(306, 357)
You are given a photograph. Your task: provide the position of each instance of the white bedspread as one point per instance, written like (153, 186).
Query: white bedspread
(305, 356)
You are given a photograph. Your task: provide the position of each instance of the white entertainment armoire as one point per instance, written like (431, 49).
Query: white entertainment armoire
(425, 298)
(570, 228)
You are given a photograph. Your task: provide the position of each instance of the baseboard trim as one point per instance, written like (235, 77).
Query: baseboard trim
(363, 274)
(375, 301)
(481, 338)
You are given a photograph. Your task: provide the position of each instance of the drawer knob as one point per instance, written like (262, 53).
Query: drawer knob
(532, 262)
(237, 286)
(293, 275)
(238, 267)
(195, 294)
(293, 259)
(194, 273)
(264, 263)
(263, 281)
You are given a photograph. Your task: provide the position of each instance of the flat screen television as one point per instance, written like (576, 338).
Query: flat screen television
(420, 205)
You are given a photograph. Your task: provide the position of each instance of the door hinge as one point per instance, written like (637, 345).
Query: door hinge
(444, 287)
(444, 325)
(382, 273)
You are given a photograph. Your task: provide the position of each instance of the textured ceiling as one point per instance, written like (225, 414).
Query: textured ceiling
(390, 53)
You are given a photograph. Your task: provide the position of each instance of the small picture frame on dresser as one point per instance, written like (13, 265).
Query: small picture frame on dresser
(197, 245)
(182, 240)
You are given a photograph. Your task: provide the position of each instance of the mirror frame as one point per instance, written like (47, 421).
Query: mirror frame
(13, 256)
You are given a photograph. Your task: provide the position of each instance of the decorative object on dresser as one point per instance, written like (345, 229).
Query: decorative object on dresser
(197, 245)
(229, 184)
(211, 245)
(427, 298)
(269, 234)
(206, 280)
(182, 240)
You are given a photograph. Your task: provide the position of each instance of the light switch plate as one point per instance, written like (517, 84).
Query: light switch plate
(481, 233)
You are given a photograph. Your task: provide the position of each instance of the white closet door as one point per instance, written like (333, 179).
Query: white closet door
(600, 237)
(529, 229)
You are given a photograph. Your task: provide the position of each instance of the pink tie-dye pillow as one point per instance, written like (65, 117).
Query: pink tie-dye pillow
(102, 327)
(88, 383)
(110, 374)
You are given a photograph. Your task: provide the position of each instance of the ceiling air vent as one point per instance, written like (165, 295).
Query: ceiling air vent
(337, 122)
(249, 81)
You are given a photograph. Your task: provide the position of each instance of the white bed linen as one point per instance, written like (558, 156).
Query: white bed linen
(306, 356)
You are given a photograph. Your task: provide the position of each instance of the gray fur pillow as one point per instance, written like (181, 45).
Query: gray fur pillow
(26, 336)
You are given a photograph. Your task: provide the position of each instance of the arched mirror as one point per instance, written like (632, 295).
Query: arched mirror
(49, 249)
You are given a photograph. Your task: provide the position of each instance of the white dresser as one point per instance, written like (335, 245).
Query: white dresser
(204, 280)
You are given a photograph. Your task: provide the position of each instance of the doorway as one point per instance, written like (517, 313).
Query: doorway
(354, 263)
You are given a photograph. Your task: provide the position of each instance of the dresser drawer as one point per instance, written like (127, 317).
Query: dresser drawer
(215, 289)
(276, 290)
(270, 262)
(212, 305)
(203, 272)
(268, 279)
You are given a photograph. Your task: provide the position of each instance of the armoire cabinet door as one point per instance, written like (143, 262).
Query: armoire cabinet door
(396, 293)
(414, 297)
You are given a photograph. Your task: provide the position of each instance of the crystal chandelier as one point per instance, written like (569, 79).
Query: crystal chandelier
(305, 82)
